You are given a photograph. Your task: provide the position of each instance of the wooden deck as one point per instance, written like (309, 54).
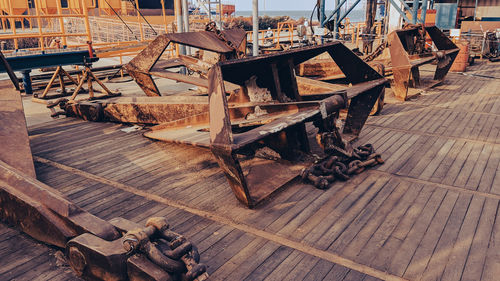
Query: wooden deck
(428, 213)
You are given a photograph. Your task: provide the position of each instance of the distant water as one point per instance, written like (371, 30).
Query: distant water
(355, 15)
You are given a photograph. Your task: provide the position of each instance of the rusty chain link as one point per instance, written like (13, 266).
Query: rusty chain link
(334, 167)
(167, 249)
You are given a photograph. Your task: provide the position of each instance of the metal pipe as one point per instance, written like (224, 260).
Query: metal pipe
(322, 13)
(423, 14)
(61, 22)
(405, 5)
(349, 10)
(337, 9)
(337, 21)
(163, 15)
(255, 27)
(399, 11)
(475, 8)
(180, 25)
(185, 21)
(414, 14)
(86, 20)
(139, 20)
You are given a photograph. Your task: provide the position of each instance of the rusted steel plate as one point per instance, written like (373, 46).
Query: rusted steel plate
(16, 150)
(271, 79)
(408, 52)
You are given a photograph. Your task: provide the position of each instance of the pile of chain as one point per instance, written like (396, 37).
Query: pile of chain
(167, 249)
(341, 167)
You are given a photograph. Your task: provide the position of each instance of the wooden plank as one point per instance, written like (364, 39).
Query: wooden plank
(491, 269)
(370, 238)
(348, 192)
(428, 243)
(477, 253)
(448, 238)
(319, 270)
(270, 263)
(403, 256)
(369, 217)
(458, 256)
(446, 163)
(468, 166)
(285, 266)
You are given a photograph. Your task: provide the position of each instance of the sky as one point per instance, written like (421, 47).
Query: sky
(276, 5)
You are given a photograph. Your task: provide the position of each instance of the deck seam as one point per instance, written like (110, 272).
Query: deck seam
(440, 185)
(431, 134)
(334, 258)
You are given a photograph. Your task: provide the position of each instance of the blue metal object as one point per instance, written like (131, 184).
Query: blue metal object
(27, 82)
(446, 15)
(33, 61)
(336, 11)
(424, 11)
(349, 10)
(403, 14)
(322, 13)
(414, 14)
(25, 62)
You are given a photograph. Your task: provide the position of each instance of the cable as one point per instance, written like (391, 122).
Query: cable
(122, 20)
(137, 9)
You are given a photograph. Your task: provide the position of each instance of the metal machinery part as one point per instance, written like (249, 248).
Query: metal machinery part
(227, 44)
(252, 103)
(408, 51)
(96, 249)
(280, 122)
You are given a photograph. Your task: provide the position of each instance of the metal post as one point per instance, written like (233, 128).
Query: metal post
(139, 21)
(163, 15)
(13, 24)
(337, 22)
(414, 15)
(349, 10)
(39, 23)
(322, 13)
(180, 25)
(475, 8)
(185, 21)
(87, 23)
(401, 13)
(337, 10)
(61, 22)
(255, 29)
(424, 11)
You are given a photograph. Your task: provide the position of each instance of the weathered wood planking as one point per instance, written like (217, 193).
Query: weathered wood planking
(428, 213)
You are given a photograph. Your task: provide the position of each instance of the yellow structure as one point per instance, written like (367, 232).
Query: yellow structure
(17, 7)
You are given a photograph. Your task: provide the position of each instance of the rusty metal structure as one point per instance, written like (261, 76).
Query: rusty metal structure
(404, 52)
(408, 50)
(255, 116)
(227, 44)
(96, 249)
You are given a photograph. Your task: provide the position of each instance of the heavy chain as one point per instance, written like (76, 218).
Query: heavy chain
(167, 249)
(341, 167)
(378, 51)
